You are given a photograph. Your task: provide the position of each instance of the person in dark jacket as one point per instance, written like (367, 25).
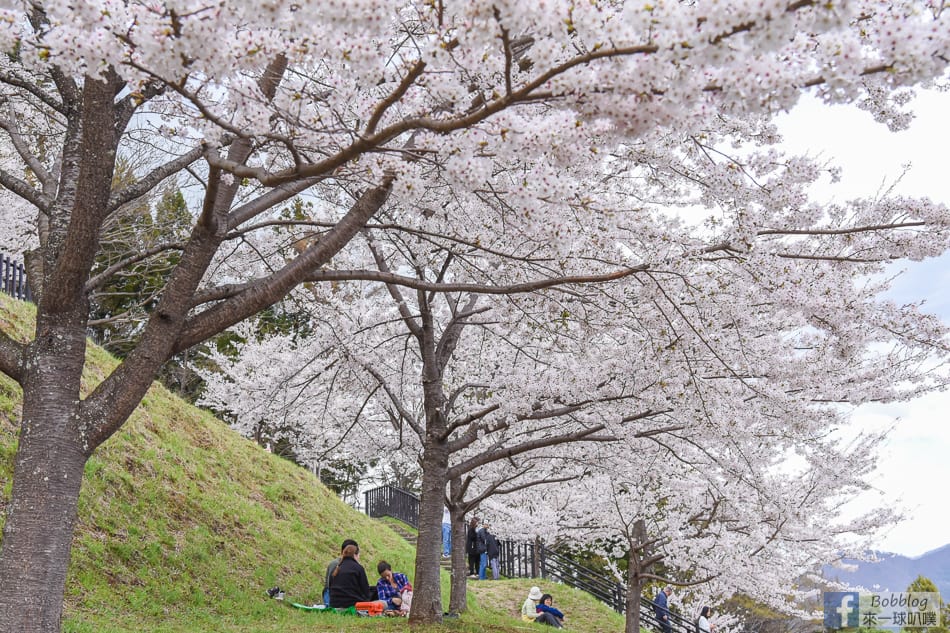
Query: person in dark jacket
(471, 547)
(662, 609)
(348, 582)
(491, 549)
(332, 566)
(482, 541)
(548, 613)
(482, 552)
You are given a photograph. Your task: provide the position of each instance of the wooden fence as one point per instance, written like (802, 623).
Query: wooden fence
(13, 279)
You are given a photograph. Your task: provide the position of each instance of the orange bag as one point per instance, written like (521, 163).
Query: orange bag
(371, 608)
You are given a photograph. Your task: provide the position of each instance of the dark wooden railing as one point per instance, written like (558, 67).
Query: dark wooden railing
(13, 279)
(524, 559)
(393, 502)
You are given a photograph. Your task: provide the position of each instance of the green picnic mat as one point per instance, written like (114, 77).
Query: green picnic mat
(324, 608)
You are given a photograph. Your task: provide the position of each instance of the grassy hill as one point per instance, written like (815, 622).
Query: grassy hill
(184, 525)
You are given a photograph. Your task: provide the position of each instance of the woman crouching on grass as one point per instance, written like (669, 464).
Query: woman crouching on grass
(392, 587)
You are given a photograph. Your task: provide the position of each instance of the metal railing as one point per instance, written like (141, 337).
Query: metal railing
(558, 567)
(13, 279)
(519, 559)
(523, 559)
(678, 624)
(393, 502)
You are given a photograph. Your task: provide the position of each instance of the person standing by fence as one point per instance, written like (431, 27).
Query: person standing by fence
(446, 532)
(471, 547)
(482, 551)
(493, 552)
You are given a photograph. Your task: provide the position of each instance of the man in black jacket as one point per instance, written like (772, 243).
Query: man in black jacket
(482, 540)
(471, 547)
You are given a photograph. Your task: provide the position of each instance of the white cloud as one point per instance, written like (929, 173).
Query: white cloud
(915, 464)
(913, 470)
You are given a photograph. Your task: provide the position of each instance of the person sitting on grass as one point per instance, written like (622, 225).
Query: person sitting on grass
(529, 610)
(548, 614)
(390, 586)
(332, 566)
(348, 582)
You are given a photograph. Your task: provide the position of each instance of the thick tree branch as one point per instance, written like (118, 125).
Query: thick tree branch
(12, 357)
(258, 295)
(25, 191)
(34, 89)
(267, 201)
(414, 73)
(467, 420)
(487, 457)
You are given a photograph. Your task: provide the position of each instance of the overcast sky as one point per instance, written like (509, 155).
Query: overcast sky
(915, 467)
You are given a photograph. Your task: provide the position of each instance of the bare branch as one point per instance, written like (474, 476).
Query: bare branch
(154, 178)
(101, 278)
(414, 328)
(845, 231)
(8, 124)
(417, 284)
(404, 413)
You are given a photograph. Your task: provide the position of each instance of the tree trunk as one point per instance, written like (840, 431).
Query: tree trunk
(47, 477)
(427, 594)
(457, 595)
(636, 568)
(632, 603)
(55, 439)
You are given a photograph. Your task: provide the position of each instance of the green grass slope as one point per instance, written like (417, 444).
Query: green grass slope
(184, 525)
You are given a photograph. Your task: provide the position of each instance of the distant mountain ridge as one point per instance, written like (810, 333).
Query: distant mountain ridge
(894, 572)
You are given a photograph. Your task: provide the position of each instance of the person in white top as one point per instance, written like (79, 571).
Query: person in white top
(703, 625)
(446, 532)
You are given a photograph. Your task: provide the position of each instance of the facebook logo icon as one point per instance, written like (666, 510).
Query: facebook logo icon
(841, 609)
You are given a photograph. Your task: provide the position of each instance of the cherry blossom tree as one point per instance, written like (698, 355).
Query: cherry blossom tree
(478, 120)
(425, 379)
(481, 383)
(725, 517)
